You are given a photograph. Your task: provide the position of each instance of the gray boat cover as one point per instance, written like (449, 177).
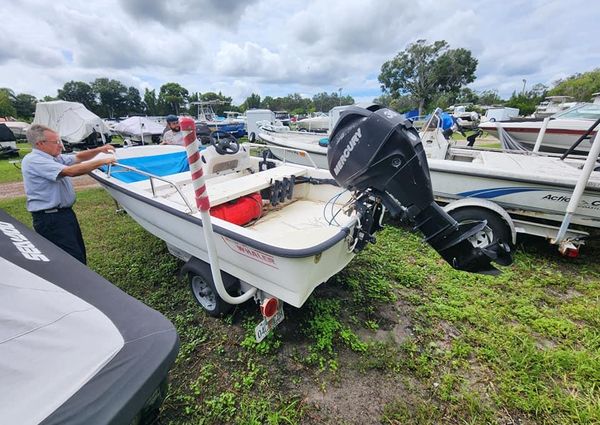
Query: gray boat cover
(73, 347)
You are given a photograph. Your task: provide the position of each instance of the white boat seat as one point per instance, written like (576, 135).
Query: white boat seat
(224, 191)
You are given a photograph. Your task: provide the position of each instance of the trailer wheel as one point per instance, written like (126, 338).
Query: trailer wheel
(496, 230)
(252, 137)
(205, 293)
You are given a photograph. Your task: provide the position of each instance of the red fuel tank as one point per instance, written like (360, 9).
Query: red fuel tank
(239, 211)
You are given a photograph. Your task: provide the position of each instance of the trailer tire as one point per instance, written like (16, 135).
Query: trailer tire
(206, 295)
(252, 137)
(497, 230)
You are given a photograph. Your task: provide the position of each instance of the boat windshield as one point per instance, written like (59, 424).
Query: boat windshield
(584, 111)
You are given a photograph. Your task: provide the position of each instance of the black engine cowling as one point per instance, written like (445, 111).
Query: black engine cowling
(376, 151)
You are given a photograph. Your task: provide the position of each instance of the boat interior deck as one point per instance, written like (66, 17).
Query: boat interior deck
(302, 222)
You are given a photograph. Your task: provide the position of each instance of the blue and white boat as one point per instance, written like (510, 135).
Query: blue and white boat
(207, 115)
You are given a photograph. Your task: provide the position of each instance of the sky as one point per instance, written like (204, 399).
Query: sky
(274, 48)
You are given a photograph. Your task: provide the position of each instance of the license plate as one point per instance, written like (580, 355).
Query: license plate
(267, 325)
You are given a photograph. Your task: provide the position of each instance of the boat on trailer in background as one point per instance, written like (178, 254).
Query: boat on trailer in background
(557, 198)
(207, 116)
(561, 130)
(273, 231)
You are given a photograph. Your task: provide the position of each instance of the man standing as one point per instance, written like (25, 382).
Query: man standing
(172, 136)
(50, 194)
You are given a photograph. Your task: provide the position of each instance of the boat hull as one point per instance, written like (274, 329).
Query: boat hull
(291, 277)
(309, 143)
(559, 135)
(519, 196)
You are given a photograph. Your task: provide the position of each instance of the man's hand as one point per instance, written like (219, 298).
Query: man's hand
(109, 160)
(105, 149)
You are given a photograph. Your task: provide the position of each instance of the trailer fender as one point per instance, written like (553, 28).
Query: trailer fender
(202, 268)
(488, 205)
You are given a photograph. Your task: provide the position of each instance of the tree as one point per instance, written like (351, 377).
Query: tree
(251, 102)
(151, 102)
(78, 91)
(580, 86)
(527, 101)
(490, 98)
(6, 107)
(193, 109)
(112, 95)
(268, 103)
(25, 105)
(173, 96)
(133, 102)
(425, 71)
(224, 101)
(324, 102)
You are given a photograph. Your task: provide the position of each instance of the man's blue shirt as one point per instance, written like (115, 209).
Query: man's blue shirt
(44, 187)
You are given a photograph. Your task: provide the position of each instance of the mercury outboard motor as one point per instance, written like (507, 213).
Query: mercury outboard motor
(378, 154)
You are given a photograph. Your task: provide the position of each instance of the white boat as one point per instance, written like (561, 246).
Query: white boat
(19, 128)
(139, 129)
(553, 105)
(563, 129)
(76, 125)
(529, 193)
(319, 123)
(234, 116)
(288, 251)
(308, 144)
(207, 116)
(301, 230)
(295, 146)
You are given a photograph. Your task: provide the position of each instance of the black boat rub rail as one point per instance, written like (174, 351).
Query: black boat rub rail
(269, 249)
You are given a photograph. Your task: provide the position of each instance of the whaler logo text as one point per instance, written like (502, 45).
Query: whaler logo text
(25, 247)
(353, 142)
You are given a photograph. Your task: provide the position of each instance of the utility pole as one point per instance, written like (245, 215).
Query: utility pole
(524, 82)
(340, 95)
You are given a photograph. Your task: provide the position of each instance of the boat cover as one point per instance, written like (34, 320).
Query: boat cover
(6, 135)
(70, 119)
(159, 165)
(73, 347)
(135, 126)
(18, 128)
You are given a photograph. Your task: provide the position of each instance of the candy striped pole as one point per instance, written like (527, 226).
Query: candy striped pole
(188, 126)
(192, 147)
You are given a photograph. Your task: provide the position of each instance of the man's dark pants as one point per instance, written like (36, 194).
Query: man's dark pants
(60, 226)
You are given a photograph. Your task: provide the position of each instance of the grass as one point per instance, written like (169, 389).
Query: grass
(447, 347)
(9, 172)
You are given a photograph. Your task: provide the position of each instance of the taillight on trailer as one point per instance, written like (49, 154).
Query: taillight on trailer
(269, 306)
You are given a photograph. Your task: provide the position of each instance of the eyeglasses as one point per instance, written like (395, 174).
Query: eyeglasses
(54, 142)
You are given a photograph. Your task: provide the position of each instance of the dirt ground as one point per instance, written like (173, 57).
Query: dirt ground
(12, 190)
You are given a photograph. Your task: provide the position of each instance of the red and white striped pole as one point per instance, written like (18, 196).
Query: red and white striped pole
(192, 147)
(188, 126)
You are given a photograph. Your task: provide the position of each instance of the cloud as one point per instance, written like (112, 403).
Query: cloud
(253, 61)
(276, 48)
(37, 56)
(219, 12)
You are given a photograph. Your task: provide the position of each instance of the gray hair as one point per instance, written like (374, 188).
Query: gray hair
(35, 133)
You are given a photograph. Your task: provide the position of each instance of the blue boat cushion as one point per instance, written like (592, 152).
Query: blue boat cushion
(324, 142)
(159, 165)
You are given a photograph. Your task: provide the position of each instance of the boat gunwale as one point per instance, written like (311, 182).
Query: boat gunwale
(435, 166)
